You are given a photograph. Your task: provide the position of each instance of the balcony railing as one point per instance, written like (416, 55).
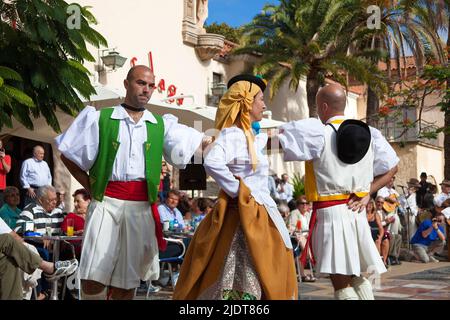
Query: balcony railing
(397, 133)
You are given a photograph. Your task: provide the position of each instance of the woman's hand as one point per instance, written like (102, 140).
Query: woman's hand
(358, 204)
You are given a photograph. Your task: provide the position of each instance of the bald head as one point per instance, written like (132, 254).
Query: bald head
(137, 70)
(331, 101)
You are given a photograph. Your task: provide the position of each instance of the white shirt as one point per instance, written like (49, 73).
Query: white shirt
(34, 172)
(80, 142)
(440, 198)
(304, 140)
(411, 203)
(394, 227)
(296, 215)
(167, 214)
(229, 157)
(385, 192)
(4, 228)
(288, 192)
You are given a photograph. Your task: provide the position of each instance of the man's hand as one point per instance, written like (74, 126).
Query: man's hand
(435, 224)
(31, 193)
(2, 154)
(358, 204)
(206, 141)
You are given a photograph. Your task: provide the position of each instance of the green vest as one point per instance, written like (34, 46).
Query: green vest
(101, 171)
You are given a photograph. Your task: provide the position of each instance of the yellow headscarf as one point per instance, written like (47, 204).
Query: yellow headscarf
(238, 100)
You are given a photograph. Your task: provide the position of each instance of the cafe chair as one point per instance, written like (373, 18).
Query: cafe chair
(297, 252)
(168, 262)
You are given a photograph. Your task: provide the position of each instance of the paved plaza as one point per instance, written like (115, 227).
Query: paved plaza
(408, 281)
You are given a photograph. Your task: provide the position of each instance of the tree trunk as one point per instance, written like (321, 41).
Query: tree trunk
(312, 86)
(373, 104)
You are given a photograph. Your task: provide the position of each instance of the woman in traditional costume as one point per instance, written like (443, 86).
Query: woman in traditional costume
(242, 249)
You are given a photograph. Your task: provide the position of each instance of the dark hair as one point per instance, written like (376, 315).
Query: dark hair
(423, 174)
(204, 203)
(174, 192)
(86, 195)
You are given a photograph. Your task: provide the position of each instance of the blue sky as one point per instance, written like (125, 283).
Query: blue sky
(235, 12)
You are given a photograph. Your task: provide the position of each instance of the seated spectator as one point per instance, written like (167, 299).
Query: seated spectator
(9, 212)
(14, 257)
(284, 211)
(81, 199)
(298, 226)
(37, 217)
(41, 213)
(384, 248)
(429, 239)
(61, 196)
(199, 210)
(444, 195)
(376, 227)
(392, 221)
(168, 211)
(298, 219)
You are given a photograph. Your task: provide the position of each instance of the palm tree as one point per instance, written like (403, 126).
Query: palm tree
(309, 38)
(404, 25)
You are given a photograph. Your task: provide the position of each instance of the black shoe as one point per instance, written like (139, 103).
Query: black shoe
(389, 261)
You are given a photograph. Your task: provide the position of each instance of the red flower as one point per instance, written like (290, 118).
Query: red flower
(384, 110)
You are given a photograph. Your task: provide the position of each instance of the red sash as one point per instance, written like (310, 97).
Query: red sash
(312, 223)
(137, 191)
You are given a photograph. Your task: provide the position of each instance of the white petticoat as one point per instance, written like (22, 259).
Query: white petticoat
(343, 244)
(119, 245)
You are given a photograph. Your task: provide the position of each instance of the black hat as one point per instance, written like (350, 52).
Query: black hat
(248, 77)
(352, 140)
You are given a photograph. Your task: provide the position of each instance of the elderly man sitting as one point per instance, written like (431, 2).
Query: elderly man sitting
(41, 214)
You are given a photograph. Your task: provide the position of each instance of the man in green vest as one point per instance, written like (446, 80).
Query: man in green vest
(116, 154)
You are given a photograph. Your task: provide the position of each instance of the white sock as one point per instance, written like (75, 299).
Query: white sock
(363, 288)
(98, 296)
(346, 294)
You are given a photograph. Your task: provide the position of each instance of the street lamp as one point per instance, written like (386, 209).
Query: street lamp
(113, 59)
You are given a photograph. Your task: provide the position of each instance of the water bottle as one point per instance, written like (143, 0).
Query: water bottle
(176, 225)
(171, 223)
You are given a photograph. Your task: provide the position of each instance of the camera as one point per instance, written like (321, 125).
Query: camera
(434, 220)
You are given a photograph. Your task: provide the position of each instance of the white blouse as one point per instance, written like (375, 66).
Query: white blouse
(229, 157)
(80, 142)
(304, 140)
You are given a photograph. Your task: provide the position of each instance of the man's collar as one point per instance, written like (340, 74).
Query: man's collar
(36, 159)
(336, 118)
(120, 113)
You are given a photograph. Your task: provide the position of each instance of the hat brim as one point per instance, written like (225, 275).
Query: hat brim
(250, 78)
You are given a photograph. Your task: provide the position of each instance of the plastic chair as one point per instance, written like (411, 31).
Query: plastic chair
(75, 274)
(169, 261)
